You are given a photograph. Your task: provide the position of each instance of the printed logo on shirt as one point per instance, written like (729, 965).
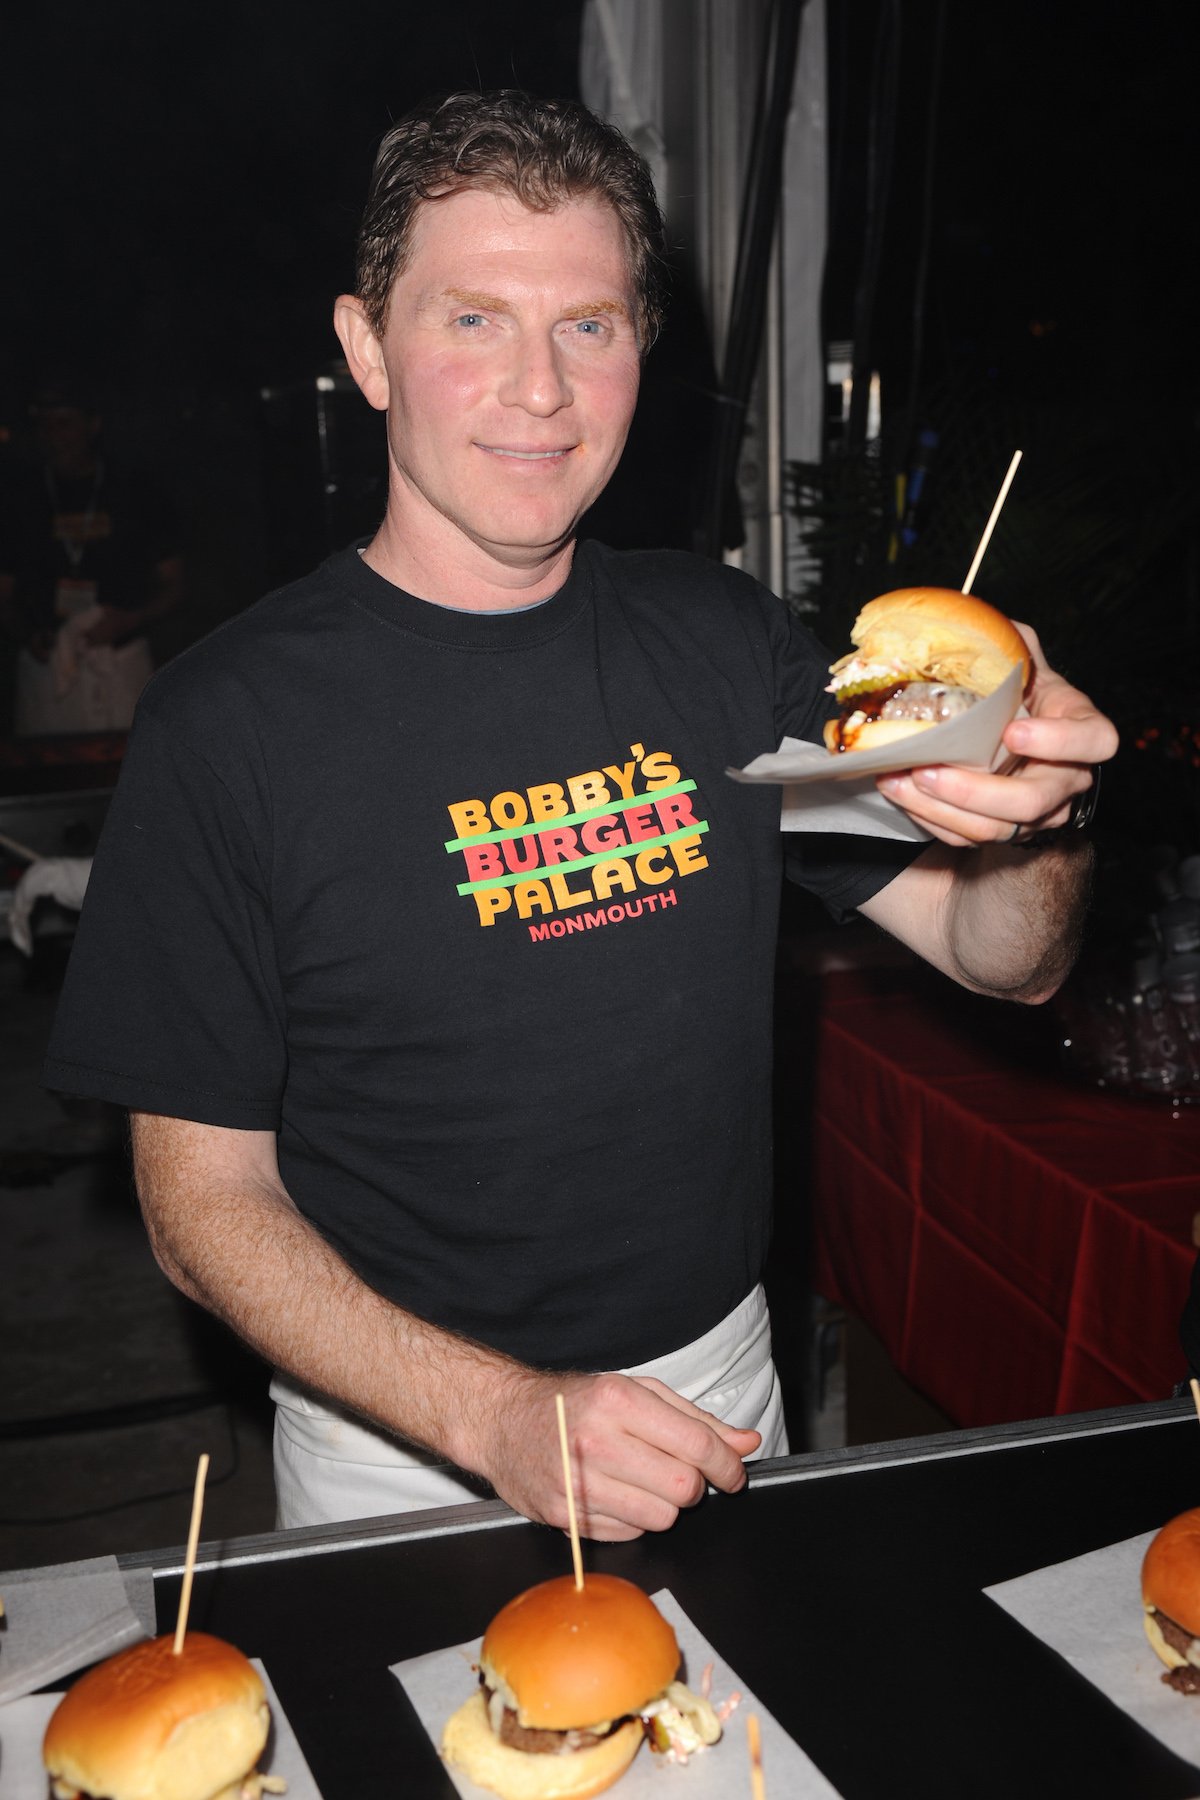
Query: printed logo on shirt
(82, 527)
(598, 848)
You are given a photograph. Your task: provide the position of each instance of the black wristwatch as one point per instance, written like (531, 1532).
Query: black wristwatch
(1083, 811)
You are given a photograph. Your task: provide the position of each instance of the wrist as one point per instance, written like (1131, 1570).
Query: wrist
(485, 1397)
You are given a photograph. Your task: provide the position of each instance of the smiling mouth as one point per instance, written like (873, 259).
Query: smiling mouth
(528, 455)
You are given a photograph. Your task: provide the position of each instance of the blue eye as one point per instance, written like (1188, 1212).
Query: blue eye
(590, 326)
(469, 319)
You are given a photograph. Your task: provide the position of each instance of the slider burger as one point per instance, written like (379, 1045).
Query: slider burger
(571, 1681)
(921, 656)
(1171, 1595)
(150, 1725)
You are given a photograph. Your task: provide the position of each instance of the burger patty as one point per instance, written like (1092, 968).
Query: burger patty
(915, 702)
(539, 1742)
(1187, 1679)
(1173, 1634)
(930, 701)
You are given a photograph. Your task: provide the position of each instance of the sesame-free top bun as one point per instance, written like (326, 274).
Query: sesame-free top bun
(567, 1658)
(1171, 1580)
(941, 635)
(470, 1744)
(150, 1725)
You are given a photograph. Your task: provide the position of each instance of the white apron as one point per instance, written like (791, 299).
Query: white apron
(330, 1465)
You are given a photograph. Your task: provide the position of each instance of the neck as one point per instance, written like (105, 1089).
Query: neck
(465, 575)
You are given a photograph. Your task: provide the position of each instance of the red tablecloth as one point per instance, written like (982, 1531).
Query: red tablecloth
(1021, 1245)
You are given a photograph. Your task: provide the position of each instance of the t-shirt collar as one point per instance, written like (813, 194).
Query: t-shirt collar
(458, 626)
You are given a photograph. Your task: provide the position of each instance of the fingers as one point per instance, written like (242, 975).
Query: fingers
(1079, 734)
(645, 1491)
(966, 807)
(1059, 743)
(657, 1419)
(640, 1454)
(740, 1439)
(681, 1404)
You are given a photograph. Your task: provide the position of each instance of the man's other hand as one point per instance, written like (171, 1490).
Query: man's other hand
(639, 1452)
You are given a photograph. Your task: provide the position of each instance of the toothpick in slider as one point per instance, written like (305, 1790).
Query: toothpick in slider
(189, 1561)
(988, 529)
(576, 1558)
(754, 1739)
(1195, 1387)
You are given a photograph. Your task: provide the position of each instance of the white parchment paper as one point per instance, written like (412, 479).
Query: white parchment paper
(23, 1725)
(838, 793)
(437, 1685)
(61, 1618)
(1090, 1611)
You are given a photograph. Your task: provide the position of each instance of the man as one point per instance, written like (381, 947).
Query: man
(448, 1043)
(88, 560)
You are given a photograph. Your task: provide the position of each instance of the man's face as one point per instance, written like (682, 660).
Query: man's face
(66, 435)
(512, 370)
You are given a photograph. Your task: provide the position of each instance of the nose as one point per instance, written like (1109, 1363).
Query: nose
(535, 378)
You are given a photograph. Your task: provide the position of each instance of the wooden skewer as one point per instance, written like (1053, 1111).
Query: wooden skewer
(754, 1739)
(18, 848)
(1195, 1386)
(576, 1558)
(988, 529)
(189, 1562)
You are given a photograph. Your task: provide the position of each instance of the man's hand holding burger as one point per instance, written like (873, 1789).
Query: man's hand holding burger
(642, 1451)
(1059, 744)
(980, 904)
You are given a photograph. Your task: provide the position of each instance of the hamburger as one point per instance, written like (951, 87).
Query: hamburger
(921, 656)
(571, 1680)
(1171, 1596)
(150, 1725)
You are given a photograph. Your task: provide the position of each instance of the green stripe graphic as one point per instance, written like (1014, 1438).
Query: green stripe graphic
(575, 818)
(583, 862)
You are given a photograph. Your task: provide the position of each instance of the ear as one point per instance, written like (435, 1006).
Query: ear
(362, 349)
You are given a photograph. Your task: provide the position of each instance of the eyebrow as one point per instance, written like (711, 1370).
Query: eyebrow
(494, 303)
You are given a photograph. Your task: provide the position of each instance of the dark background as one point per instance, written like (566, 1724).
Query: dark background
(1011, 204)
(1011, 208)
(190, 177)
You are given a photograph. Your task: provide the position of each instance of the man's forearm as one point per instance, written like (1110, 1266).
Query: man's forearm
(239, 1247)
(999, 920)
(225, 1230)
(1015, 919)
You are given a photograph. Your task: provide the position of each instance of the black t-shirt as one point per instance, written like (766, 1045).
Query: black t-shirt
(465, 907)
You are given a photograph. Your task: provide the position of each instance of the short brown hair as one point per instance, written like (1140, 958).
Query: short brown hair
(545, 152)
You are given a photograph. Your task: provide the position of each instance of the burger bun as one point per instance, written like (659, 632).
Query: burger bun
(470, 1744)
(567, 1658)
(939, 634)
(1171, 1582)
(149, 1723)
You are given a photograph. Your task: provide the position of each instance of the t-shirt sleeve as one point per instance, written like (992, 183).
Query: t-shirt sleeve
(172, 1001)
(841, 869)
